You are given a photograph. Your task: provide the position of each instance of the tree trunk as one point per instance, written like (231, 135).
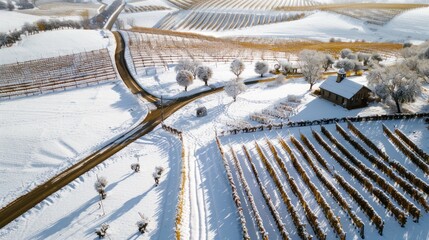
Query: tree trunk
(235, 98)
(311, 86)
(205, 81)
(262, 75)
(186, 88)
(398, 106)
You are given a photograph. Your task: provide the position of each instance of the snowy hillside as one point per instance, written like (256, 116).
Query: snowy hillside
(70, 124)
(55, 43)
(409, 26)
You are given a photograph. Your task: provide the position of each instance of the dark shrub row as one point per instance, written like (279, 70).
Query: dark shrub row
(235, 196)
(397, 196)
(329, 214)
(249, 195)
(300, 226)
(412, 145)
(380, 195)
(408, 188)
(309, 214)
(364, 205)
(335, 193)
(394, 164)
(267, 197)
(407, 152)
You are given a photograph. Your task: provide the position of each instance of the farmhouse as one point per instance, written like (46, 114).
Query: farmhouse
(344, 92)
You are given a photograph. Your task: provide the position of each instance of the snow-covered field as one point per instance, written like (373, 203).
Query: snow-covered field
(14, 20)
(74, 212)
(56, 43)
(209, 210)
(43, 135)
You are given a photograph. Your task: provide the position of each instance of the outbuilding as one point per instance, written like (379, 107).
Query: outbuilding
(345, 92)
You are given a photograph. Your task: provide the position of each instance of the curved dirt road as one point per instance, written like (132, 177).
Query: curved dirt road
(24, 203)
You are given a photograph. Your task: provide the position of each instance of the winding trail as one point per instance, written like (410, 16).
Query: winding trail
(24, 203)
(163, 110)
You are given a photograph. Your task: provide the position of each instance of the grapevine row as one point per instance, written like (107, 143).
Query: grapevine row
(364, 205)
(235, 195)
(412, 145)
(249, 195)
(416, 160)
(316, 154)
(394, 164)
(408, 188)
(329, 214)
(380, 195)
(405, 203)
(266, 195)
(335, 193)
(309, 214)
(302, 232)
(181, 201)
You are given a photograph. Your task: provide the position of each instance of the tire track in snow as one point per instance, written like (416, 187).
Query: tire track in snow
(197, 205)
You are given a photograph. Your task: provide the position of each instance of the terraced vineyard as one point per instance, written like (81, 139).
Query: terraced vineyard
(222, 15)
(372, 16)
(345, 181)
(148, 8)
(184, 4)
(221, 21)
(373, 13)
(253, 4)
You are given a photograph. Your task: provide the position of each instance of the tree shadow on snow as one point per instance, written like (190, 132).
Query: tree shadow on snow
(168, 189)
(127, 102)
(65, 221)
(223, 220)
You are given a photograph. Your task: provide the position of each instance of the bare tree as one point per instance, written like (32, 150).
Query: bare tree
(143, 223)
(10, 5)
(184, 78)
(204, 73)
(345, 52)
(102, 231)
(328, 61)
(188, 65)
(100, 186)
(346, 64)
(352, 56)
(234, 88)
(357, 67)
(311, 65)
(397, 82)
(261, 68)
(183, 64)
(237, 67)
(286, 67)
(377, 57)
(423, 69)
(135, 167)
(157, 174)
(364, 58)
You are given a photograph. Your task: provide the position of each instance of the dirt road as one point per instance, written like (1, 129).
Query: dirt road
(24, 203)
